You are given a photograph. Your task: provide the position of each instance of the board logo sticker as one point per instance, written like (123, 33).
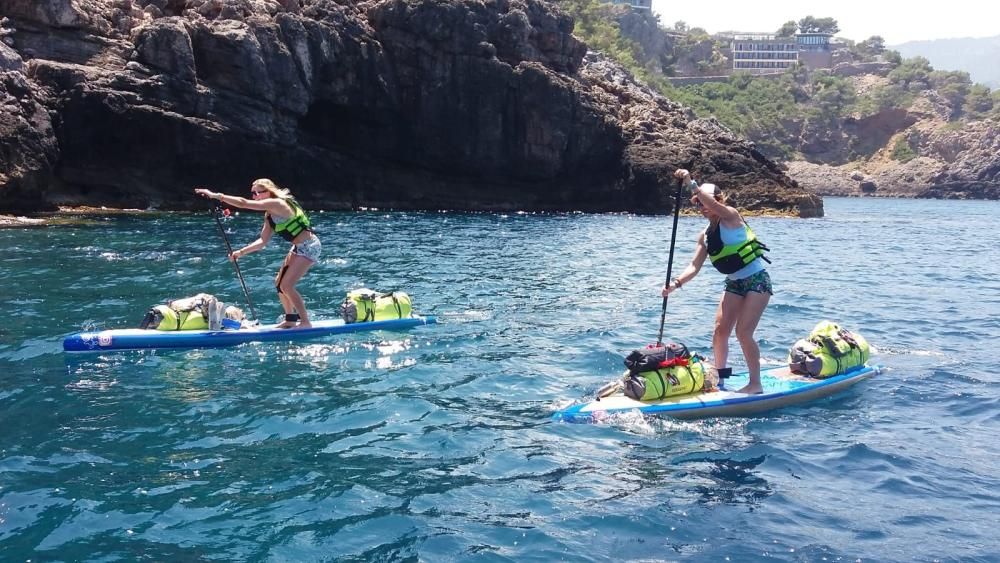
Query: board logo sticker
(104, 339)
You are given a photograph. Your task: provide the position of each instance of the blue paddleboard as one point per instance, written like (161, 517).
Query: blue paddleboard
(137, 339)
(781, 389)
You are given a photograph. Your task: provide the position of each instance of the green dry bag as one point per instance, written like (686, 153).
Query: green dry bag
(364, 305)
(666, 382)
(828, 350)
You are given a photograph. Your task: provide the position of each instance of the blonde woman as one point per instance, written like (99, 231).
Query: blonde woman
(735, 251)
(284, 216)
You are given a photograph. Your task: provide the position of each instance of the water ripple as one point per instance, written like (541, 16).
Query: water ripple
(436, 444)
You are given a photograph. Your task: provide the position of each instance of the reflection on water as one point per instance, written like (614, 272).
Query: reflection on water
(732, 481)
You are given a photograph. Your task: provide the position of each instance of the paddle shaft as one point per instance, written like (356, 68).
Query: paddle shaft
(216, 210)
(670, 260)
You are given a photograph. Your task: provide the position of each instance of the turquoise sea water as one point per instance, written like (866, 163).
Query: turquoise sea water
(436, 444)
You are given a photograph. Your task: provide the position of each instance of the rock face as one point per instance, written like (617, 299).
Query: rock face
(972, 154)
(911, 179)
(28, 152)
(953, 163)
(956, 160)
(409, 104)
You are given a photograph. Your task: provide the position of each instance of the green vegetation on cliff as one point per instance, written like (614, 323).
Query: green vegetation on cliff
(902, 151)
(799, 112)
(781, 114)
(597, 25)
(751, 108)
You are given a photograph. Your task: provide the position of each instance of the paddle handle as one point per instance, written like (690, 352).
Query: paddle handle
(670, 259)
(216, 211)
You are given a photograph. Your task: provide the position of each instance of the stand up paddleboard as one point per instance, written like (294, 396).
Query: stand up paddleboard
(781, 389)
(138, 339)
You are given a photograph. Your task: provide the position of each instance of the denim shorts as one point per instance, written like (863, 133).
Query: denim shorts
(310, 249)
(759, 282)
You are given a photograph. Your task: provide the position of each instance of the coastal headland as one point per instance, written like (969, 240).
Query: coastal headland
(401, 104)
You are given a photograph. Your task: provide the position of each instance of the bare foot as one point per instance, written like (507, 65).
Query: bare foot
(286, 324)
(751, 390)
(304, 324)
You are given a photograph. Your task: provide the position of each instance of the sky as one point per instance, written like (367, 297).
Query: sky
(897, 22)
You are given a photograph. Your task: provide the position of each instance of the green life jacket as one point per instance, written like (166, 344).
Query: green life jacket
(730, 258)
(828, 350)
(180, 320)
(291, 227)
(666, 382)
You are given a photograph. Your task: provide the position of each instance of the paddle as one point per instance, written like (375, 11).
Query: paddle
(670, 260)
(216, 211)
(614, 386)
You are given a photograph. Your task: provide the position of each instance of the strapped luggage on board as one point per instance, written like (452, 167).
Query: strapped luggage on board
(200, 312)
(828, 350)
(663, 371)
(364, 305)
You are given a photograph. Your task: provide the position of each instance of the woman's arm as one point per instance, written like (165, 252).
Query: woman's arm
(265, 237)
(697, 261)
(706, 196)
(728, 216)
(273, 205)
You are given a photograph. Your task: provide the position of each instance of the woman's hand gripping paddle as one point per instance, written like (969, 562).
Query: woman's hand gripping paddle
(616, 385)
(218, 211)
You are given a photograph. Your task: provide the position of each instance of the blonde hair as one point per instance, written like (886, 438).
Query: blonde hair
(270, 186)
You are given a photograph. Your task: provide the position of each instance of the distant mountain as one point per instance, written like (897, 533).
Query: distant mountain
(977, 56)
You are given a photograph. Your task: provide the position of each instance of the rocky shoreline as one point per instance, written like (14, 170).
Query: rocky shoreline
(63, 216)
(947, 159)
(85, 215)
(400, 104)
(11, 221)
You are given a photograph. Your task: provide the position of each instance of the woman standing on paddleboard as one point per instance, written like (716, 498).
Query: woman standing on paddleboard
(735, 251)
(282, 215)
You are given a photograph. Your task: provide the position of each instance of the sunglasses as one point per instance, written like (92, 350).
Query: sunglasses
(258, 192)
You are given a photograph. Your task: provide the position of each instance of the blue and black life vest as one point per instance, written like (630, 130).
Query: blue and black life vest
(730, 258)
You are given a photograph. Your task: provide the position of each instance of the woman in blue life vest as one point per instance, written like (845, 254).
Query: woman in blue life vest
(735, 251)
(284, 216)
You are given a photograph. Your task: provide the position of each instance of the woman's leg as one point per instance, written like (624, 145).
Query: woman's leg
(297, 267)
(286, 304)
(753, 307)
(725, 319)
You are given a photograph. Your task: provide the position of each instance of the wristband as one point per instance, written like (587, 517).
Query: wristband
(678, 282)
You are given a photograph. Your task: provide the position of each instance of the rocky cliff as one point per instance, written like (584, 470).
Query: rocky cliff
(411, 104)
(948, 160)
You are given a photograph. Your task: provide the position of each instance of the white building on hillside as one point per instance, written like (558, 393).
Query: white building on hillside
(762, 53)
(636, 4)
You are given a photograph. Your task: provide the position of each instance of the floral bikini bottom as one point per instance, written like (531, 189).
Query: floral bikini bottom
(759, 282)
(310, 249)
